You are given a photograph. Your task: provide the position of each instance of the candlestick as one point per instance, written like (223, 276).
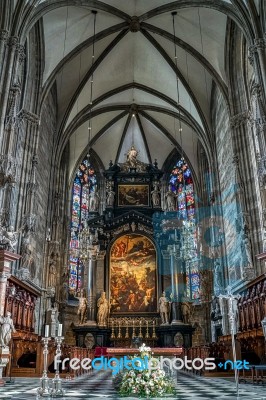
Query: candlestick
(126, 335)
(147, 330)
(44, 389)
(46, 331)
(133, 329)
(140, 333)
(57, 390)
(113, 332)
(153, 331)
(119, 336)
(60, 326)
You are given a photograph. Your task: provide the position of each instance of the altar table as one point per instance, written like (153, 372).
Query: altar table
(157, 351)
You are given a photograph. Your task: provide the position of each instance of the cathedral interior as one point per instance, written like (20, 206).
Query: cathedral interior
(133, 188)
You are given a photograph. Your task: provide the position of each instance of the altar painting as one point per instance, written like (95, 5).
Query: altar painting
(133, 275)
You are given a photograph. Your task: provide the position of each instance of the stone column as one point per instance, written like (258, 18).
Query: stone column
(176, 286)
(91, 288)
(12, 44)
(3, 40)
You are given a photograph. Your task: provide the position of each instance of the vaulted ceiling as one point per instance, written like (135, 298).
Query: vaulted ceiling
(134, 91)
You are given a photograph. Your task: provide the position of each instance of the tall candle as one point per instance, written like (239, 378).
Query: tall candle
(59, 330)
(46, 331)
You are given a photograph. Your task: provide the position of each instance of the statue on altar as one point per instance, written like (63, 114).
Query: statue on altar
(155, 195)
(82, 309)
(94, 200)
(164, 309)
(186, 311)
(110, 197)
(170, 200)
(6, 329)
(103, 308)
(132, 157)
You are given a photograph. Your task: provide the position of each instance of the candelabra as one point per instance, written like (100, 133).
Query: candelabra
(119, 336)
(44, 390)
(57, 390)
(113, 331)
(140, 333)
(147, 330)
(133, 330)
(153, 331)
(126, 335)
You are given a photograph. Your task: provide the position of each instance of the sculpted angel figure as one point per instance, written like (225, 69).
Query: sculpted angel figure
(6, 329)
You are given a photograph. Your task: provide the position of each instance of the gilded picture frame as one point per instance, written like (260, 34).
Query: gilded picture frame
(136, 195)
(133, 275)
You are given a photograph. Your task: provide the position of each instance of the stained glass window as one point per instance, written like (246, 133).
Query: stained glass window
(84, 182)
(181, 183)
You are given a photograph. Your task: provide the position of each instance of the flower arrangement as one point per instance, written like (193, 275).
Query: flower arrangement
(144, 382)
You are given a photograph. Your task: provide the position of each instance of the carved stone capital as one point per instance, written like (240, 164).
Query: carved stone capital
(259, 44)
(241, 119)
(256, 90)
(30, 118)
(3, 35)
(13, 41)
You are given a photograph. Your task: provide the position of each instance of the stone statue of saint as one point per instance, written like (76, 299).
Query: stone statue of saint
(186, 312)
(103, 308)
(6, 329)
(164, 309)
(155, 195)
(170, 200)
(52, 274)
(82, 309)
(94, 201)
(110, 198)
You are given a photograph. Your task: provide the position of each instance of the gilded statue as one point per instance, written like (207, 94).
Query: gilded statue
(103, 308)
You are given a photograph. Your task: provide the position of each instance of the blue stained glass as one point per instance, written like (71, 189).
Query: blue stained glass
(181, 183)
(84, 182)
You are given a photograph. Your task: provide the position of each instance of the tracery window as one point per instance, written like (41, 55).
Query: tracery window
(181, 183)
(84, 182)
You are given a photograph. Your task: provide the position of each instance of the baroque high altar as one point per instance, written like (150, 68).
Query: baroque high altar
(133, 286)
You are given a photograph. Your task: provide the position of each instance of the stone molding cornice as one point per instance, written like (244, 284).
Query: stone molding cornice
(259, 44)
